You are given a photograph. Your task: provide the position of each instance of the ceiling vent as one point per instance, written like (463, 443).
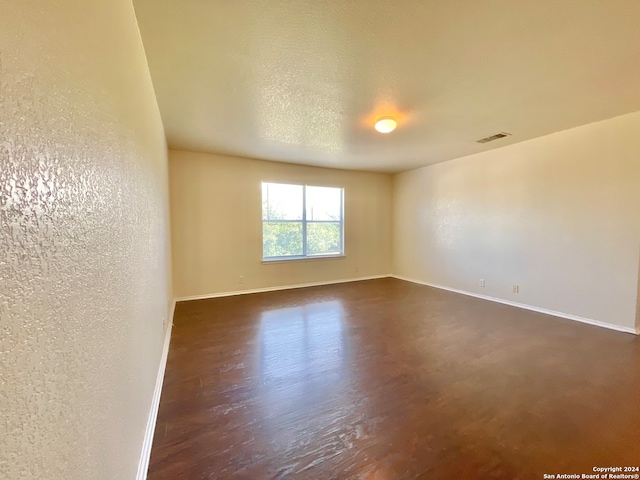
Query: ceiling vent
(493, 137)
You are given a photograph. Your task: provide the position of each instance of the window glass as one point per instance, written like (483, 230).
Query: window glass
(324, 203)
(301, 221)
(281, 201)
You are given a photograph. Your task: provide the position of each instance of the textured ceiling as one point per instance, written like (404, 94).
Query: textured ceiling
(303, 81)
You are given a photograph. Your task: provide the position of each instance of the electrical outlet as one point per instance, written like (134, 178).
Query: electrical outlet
(240, 279)
(482, 282)
(357, 269)
(516, 289)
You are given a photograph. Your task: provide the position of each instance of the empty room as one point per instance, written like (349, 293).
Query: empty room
(383, 240)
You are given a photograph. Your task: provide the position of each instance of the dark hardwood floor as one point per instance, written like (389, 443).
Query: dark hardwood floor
(384, 379)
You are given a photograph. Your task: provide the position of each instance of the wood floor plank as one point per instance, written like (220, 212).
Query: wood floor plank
(385, 379)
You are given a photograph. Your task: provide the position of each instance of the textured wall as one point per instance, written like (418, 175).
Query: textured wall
(216, 212)
(84, 271)
(558, 215)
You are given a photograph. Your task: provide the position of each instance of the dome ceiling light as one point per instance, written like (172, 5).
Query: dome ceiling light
(386, 125)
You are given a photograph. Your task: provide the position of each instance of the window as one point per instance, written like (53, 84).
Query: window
(301, 221)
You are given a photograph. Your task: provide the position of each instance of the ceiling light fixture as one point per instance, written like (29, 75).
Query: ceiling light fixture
(386, 125)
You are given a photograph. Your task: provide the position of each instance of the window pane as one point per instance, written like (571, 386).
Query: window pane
(323, 238)
(324, 203)
(281, 201)
(281, 239)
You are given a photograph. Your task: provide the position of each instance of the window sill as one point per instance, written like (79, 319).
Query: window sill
(302, 259)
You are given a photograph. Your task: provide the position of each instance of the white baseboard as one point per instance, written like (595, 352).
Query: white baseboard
(281, 287)
(576, 318)
(143, 465)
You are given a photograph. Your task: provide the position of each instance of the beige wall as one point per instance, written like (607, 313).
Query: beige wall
(559, 215)
(84, 271)
(216, 211)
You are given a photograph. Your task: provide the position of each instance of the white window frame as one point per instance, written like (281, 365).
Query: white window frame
(304, 222)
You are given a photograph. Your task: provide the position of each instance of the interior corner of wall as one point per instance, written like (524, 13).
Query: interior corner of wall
(637, 324)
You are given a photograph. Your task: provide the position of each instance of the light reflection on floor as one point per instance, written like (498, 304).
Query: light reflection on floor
(302, 352)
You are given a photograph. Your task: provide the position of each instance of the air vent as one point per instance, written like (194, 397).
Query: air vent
(493, 137)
